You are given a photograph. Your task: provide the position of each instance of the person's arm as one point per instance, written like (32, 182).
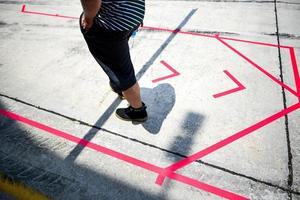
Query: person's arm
(90, 10)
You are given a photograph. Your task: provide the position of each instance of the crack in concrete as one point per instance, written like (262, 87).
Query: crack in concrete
(288, 190)
(290, 156)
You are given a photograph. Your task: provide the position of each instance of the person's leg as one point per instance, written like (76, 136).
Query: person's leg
(133, 96)
(110, 49)
(137, 110)
(115, 89)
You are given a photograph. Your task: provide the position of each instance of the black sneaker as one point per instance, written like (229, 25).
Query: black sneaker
(132, 114)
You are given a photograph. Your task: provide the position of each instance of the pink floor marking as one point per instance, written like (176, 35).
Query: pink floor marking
(212, 36)
(46, 14)
(170, 172)
(258, 67)
(200, 154)
(295, 69)
(239, 86)
(165, 29)
(123, 157)
(174, 72)
(221, 39)
(254, 42)
(224, 142)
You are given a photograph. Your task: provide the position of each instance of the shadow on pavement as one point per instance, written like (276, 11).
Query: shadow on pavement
(183, 142)
(189, 128)
(152, 126)
(31, 157)
(160, 101)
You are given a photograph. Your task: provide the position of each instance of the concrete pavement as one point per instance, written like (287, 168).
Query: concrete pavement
(221, 82)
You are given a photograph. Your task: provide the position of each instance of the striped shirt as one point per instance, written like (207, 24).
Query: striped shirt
(120, 15)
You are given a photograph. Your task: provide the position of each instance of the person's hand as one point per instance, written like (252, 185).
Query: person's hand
(87, 22)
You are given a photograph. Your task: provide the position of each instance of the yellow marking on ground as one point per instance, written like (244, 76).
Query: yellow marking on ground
(19, 190)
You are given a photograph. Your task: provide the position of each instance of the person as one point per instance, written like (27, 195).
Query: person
(106, 27)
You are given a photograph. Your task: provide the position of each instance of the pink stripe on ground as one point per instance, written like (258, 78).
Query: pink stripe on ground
(177, 31)
(221, 94)
(175, 73)
(213, 36)
(295, 70)
(81, 141)
(258, 67)
(165, 29)
(239, 88)
(123, 157)
(206, 187)
(233, 79)
(169, 67)
(171, 174)
(163, 78)
(46, 14)
(254, 42)
(224, 142)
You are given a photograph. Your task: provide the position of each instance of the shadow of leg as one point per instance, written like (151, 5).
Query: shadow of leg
(160, 101)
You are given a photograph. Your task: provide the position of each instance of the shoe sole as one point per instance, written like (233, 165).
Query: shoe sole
(133, 120)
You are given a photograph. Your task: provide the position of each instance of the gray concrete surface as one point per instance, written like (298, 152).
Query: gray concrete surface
(47, 75)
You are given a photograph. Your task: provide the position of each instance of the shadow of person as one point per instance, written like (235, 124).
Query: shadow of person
(183, 142)
(32, 165)
(160, 101)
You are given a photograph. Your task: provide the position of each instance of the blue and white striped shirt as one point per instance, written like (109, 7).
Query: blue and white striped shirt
(120, 15)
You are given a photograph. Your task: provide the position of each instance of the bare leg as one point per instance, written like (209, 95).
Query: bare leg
(133, 96)
(136, 112)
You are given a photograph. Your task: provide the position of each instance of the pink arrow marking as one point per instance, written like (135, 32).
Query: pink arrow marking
(174, 72)
(239, 88)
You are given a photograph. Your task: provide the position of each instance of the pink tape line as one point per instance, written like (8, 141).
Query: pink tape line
(295, 69)
(164, 29)
(239, 88)
(213, 36)
(221, 39)
(174, 72)
(123, 157)
(296, 74)
(46, 14)
(258, 67)
(223, 143)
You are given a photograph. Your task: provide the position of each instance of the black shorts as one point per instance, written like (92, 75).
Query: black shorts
(111, 51)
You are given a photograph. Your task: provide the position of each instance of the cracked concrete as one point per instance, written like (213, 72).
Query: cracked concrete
(47, 75)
